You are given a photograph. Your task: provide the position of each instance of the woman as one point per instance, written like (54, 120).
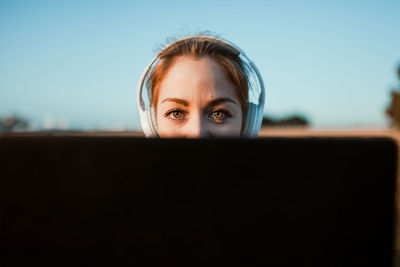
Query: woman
(201, 86)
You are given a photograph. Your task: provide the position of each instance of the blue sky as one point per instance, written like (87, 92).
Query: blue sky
(79, 62)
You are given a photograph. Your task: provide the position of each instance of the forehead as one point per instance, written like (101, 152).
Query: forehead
(195, 79)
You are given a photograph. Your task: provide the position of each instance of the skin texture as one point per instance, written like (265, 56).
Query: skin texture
(196, 100)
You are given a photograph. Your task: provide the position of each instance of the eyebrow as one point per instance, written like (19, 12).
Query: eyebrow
(218, 101)
(176, 100)
(212, 103)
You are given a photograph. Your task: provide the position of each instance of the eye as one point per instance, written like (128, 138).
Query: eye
(219, 115)
(175, 114)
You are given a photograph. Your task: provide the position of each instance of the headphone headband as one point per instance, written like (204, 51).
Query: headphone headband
(254, 114)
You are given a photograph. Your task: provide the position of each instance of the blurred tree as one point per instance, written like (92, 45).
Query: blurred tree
(291, 121)
(13, 123)
(393, 111)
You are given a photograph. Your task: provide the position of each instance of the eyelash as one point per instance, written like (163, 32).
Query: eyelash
(226, 114)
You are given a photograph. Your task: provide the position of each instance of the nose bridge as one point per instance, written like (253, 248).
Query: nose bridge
(196, 126)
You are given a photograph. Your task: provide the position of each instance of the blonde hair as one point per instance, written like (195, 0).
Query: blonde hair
(225, 55)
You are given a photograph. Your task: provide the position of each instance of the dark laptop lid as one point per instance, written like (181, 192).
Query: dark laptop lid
(222, 202)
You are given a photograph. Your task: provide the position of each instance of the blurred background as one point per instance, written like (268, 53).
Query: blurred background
(74, 65)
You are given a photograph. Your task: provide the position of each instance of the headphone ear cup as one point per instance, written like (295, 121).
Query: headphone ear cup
(149, 125)
(144, 122)
(152, 122)
(259, 113)
(248, 121)
(253, 120)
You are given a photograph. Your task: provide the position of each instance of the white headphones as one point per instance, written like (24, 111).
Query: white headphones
(255, 107)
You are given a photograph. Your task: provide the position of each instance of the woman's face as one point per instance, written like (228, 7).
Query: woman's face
(197, 100)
